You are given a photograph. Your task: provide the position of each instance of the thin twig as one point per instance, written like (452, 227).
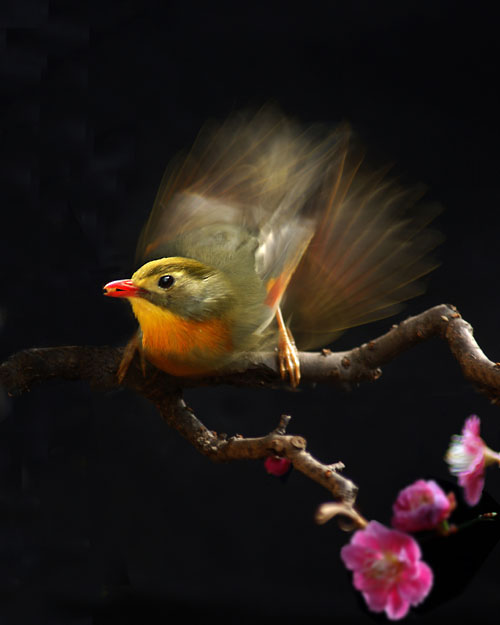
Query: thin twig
(222, 449)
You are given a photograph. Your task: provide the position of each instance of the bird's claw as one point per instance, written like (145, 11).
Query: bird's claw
(128, 355)
(288, 358)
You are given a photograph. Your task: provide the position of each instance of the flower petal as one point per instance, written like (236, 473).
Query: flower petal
(387, 539)
(376, 600)
(415, 588)
(406, 546)
(472, 425)
(354, 557)
(397, 607)
(473, 485)
(367, 537)
(365, 582)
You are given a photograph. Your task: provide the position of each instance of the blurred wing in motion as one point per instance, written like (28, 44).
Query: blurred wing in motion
(370, 247)
(246, 181)
(334, 245)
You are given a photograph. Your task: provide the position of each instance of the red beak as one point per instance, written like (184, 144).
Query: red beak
(121, 288)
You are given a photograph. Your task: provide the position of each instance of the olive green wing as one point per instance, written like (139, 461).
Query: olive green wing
(335, 245)
(250, 177)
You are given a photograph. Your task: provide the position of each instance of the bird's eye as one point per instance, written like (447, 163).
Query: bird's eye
(165, 282)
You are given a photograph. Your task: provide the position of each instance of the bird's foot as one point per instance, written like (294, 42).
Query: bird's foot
(128, 355)
(288, 355)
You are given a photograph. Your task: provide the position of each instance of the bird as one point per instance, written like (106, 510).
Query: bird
(270, 234)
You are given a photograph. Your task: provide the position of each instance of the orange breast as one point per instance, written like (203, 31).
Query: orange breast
(181, 346)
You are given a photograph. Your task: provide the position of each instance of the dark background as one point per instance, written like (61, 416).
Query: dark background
(108, 516)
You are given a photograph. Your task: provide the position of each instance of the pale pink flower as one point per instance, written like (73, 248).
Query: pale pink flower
(275, 465)
(468, 457)
(388, 569)
(421, 506)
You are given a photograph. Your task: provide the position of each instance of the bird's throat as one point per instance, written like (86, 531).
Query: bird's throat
(178, 345)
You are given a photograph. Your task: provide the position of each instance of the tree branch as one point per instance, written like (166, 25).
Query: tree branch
(222, 449)
(98, 366)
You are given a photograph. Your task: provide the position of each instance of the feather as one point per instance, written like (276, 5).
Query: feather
(334, 244)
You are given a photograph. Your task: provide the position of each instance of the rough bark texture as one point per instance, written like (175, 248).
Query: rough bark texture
(98, 366)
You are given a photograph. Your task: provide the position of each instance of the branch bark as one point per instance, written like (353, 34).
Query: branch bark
(98, 366)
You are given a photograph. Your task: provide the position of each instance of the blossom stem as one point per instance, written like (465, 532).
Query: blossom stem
(486, 516)
(491, 457)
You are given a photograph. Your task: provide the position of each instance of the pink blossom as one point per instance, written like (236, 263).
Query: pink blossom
(421, 506)
(468, 456)
(275, 465)
(387, 569)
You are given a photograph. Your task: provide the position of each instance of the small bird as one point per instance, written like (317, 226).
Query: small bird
(269, 235)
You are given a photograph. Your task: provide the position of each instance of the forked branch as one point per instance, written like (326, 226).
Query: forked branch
(98, 366)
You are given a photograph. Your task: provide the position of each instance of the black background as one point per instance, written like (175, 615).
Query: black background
(108, 516)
